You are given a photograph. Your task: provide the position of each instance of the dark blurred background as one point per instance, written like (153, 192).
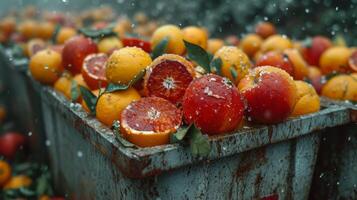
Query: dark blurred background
(296, 18)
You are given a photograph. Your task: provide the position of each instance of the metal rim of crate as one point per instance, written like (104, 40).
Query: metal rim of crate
(144, 162)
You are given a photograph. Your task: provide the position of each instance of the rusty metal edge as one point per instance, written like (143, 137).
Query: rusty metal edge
(144, 162)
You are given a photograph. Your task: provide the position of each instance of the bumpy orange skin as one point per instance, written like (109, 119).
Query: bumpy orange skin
(46, 66)
(17, 182)
(265, 29)
(168, 76)
(150, 121)
(175, 35)
(65, 34)
(5, 172)
(307, 101)
(233, 57)
(124, 64)
(341, 87)
(28, 29)
(335, 59)
(213, 105)
(195, 35)
(276, 43)
(214, 44)
(110, 105)
(270, 94)
(250, 44)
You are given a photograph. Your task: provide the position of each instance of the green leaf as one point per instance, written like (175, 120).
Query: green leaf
(198, 54)
(55, 34)
(89, 98)
(180, 133)
(199, 143)
(118, 87)
(116, 130)
(98, 34)
(160, 48)
(233, 72)
(74, 91)
(331, 75)
(216, 64)
(42, 183)
(27, 192)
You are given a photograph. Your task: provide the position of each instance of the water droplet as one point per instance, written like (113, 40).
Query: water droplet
(30, 133)
(79, 154)
(48, 143)
(307, 10)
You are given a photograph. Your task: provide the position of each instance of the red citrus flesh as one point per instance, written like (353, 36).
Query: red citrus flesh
(94, 70)
(213, 104)
(352, 61)
(150, 121)
(278, 60)
(136, 42)
(74, 52)
(168, 77)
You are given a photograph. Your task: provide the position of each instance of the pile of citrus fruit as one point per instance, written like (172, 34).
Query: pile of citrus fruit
(165, 80)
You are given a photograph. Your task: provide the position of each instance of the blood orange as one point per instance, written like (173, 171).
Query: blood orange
(213, 104)
(278, 60)
(136, 42)
(168, 76)
(352, 61)
(34, 46)
(150, 121)
(74, 52)
(93, 70)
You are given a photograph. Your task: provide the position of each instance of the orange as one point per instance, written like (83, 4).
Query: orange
(5, 172)
(314, 72)
(335, 59)
(195, 35)
(110, 105)
(8, 25)
(28, 28)
(63, 85)
(265, 29)
(233, 59)
(141, 18)
(84, 104)
(107, 45)
(119, 30)
(307, 100)
(44, 197)
(46, 66)
(341, 87)
(214, 45)
(17, 182)
(124, 64)
(301, 69)
(175, 36)
(64, 34)
(33, 46)
(80, 81)
(150, 121)
(46, 30)
(276, 43)
(250, 44)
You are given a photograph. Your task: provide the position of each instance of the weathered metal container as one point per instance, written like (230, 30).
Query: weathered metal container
(275, 161)
(23, 103)
(336, 169)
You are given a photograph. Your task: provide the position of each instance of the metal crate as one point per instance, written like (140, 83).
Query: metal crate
(22, 102)
(336, 169)
(275, 161)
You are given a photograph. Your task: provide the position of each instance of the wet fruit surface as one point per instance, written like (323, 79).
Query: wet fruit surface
(278, 60)
(213, 104)
(150, 121)
(74, 52)
(94, 70)
(136, 42)
(307, 99)
(10, 143)
(315, 48)
(335, 59)
(168, 77)
(270, 94)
